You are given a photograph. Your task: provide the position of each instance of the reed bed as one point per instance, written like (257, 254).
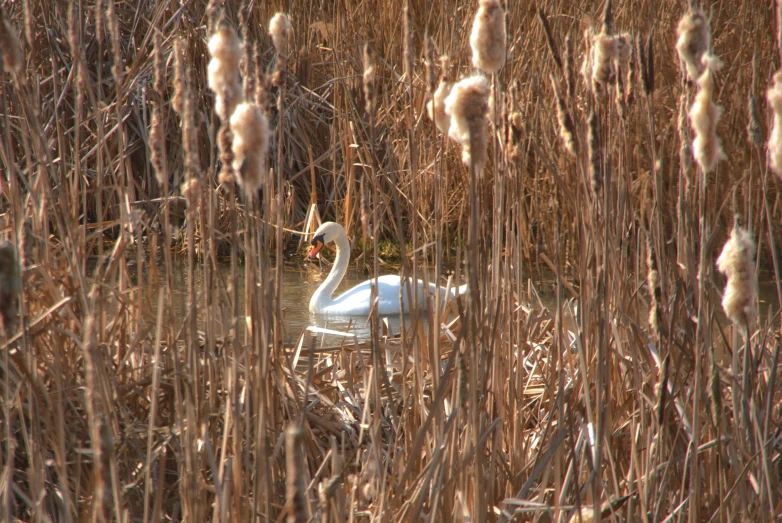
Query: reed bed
(628, 151)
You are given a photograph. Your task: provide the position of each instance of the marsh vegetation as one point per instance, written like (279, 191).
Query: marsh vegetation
(632, 149)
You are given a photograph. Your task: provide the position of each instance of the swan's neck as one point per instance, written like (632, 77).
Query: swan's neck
(323, 296)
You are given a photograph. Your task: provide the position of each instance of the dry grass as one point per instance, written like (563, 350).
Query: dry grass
(633, 398)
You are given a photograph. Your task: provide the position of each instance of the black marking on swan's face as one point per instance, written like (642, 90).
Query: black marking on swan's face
(317, 244)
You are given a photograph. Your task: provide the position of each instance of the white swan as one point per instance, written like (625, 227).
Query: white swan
(356, 301)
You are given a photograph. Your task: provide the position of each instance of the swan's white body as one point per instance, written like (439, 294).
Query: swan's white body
(357, 300)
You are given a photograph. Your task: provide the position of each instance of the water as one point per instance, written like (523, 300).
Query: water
(299, 282)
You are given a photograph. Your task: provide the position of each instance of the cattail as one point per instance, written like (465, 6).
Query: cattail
(28, 22)
(250, 129)
(10, 46)
(632, 75)
(223, 70)
(10, 287)
(468, 107)
(662, 389)
(694, 41)
(436, 107)
(180, 84)
(114, 37)
(570, 68)
(566, 127)
(685, 150)
(461, 379)
(487, 39)
(715, 393)
(262, 83)
(159, 65)
(370, 91)
(655, 290)
(737, 262)
(296, 495)
(429, 65)
(774, 97)
(74, 30)
(191, 190)
(280, 29)
(704, 114)
(407, 47)
(586, 65)
(595, 156)
(30, 244)
(157, 147)
(550, 41)
(754, 132)
(514, 148)
(606, 52)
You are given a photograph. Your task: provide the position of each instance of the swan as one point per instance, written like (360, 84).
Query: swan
(356, 301)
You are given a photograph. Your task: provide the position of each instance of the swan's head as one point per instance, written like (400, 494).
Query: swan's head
(326, 233)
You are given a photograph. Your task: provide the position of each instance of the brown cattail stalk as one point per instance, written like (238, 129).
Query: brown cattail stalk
(570, 68)
(704, 114)
(10, 287)
(550, 40)
(694, 42)
(774, 97)
(11, 48)
(250, 129)
(296, 495)
(655, 290)
(487, 39)
(468, 107)
(157, 132)
(737, 262)
(595, 155)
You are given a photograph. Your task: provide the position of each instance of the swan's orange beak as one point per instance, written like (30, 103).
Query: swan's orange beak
(317, 245)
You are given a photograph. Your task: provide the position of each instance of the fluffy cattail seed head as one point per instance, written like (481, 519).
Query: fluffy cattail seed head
(180, 83)
(774, 97)
(606, 52)
(704, 114)
(487, 39)
(737, 263)
(515, 147)
(468, 107)
(566, 127)
(11, 48)
(250, 128)
(370, 91)
(280, 29)
(157, 146)
(436, 107)
(223, 70)
(694, 42)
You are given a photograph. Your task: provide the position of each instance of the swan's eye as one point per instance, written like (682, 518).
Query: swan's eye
(317, 240)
